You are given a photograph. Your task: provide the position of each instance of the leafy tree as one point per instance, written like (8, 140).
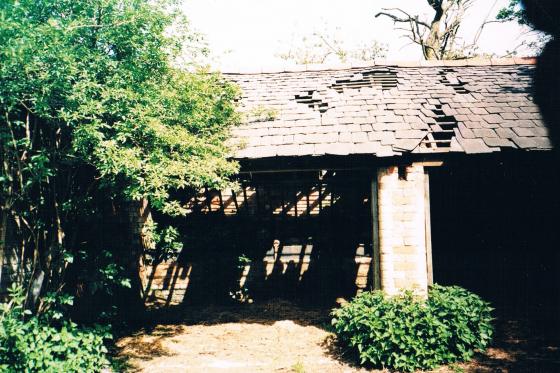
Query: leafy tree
(97, 106)
(320, 46)
(514, 11)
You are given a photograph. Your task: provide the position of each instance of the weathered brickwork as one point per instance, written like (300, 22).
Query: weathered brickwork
(304, 236)
(402, 236)
(287, 263)
(173, 283)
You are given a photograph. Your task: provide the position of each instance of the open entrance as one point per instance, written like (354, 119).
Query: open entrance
(303, 236)
(496, 231)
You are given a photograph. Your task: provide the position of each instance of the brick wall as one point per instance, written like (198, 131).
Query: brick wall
(319, 242)
(402, 235)
(173, 283)
(307, 238)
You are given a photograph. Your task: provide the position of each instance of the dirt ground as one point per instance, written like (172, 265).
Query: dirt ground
(281, 337)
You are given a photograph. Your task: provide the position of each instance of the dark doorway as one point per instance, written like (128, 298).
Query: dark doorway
(303, 236)
(496, 232)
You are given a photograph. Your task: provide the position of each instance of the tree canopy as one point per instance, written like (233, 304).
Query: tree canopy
(514, 11)
(101, 96)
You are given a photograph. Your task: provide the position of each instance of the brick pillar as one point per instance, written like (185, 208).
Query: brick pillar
(402, 235)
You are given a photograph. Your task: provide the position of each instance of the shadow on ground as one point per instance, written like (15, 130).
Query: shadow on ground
(266, 313)
(519, 345)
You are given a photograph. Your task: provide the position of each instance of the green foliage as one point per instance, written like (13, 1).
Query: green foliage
(242, 261)
(262, 113)
(513, 12)
(166, 244)
(102, 273)
(516, 12)
(407, 333)
(103, 74)
(298, 367)
(41, 344)
(240, 292)
(101, 102)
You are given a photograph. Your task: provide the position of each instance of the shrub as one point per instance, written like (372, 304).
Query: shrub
(407, 333)
(43, 344)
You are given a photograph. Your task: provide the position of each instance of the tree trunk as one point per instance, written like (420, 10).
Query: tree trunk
(432, 45)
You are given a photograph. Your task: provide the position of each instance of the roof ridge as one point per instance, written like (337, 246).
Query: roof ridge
(389, 63)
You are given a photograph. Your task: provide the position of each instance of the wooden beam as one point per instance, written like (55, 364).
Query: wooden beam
(245, 200)
(222, 208)
(375, 233)
(234, 197)
(431, 163)
(208, 199)
(428, 228)
(316, 169)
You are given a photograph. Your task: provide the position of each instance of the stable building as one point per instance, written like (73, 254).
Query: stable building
(382, 176)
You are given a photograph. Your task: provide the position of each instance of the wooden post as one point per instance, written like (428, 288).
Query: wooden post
(375, 234)
(3, 235)
(428, 227)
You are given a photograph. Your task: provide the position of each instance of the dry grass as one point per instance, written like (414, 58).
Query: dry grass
(281, 337)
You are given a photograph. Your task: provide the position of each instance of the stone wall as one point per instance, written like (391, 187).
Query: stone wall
(305, 238)
(299, 254)
(402, 232)
(173, 283)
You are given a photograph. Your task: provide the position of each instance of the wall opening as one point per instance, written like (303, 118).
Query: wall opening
(495, 231)
(306, 236)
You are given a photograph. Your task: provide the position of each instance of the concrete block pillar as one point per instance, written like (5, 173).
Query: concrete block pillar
(402, 215)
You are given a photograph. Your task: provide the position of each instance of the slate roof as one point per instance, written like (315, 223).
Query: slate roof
(385, 110)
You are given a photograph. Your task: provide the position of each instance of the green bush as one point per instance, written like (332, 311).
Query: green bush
(407, 333)
(44, 344)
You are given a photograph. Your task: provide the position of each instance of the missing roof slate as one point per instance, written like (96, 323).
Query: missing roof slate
(383, 78)
(526, 71)
(490, 118)
(449, 80)
(441, 132)
(313, 100)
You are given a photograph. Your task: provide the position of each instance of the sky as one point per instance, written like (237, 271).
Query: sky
(251, 33)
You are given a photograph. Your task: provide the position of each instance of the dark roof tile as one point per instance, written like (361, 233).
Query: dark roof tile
(505, 133)
(484, 133)
(492, 118)
(498, 142)
(543, 143)
(497, 113)
(525, 142)
(474, 146)
(524, 132)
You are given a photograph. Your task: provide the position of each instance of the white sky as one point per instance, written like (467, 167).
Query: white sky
(250, 33)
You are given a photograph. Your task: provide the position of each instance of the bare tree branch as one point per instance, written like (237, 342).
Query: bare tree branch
(396, 18)
(437, 38)
(486, 22)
